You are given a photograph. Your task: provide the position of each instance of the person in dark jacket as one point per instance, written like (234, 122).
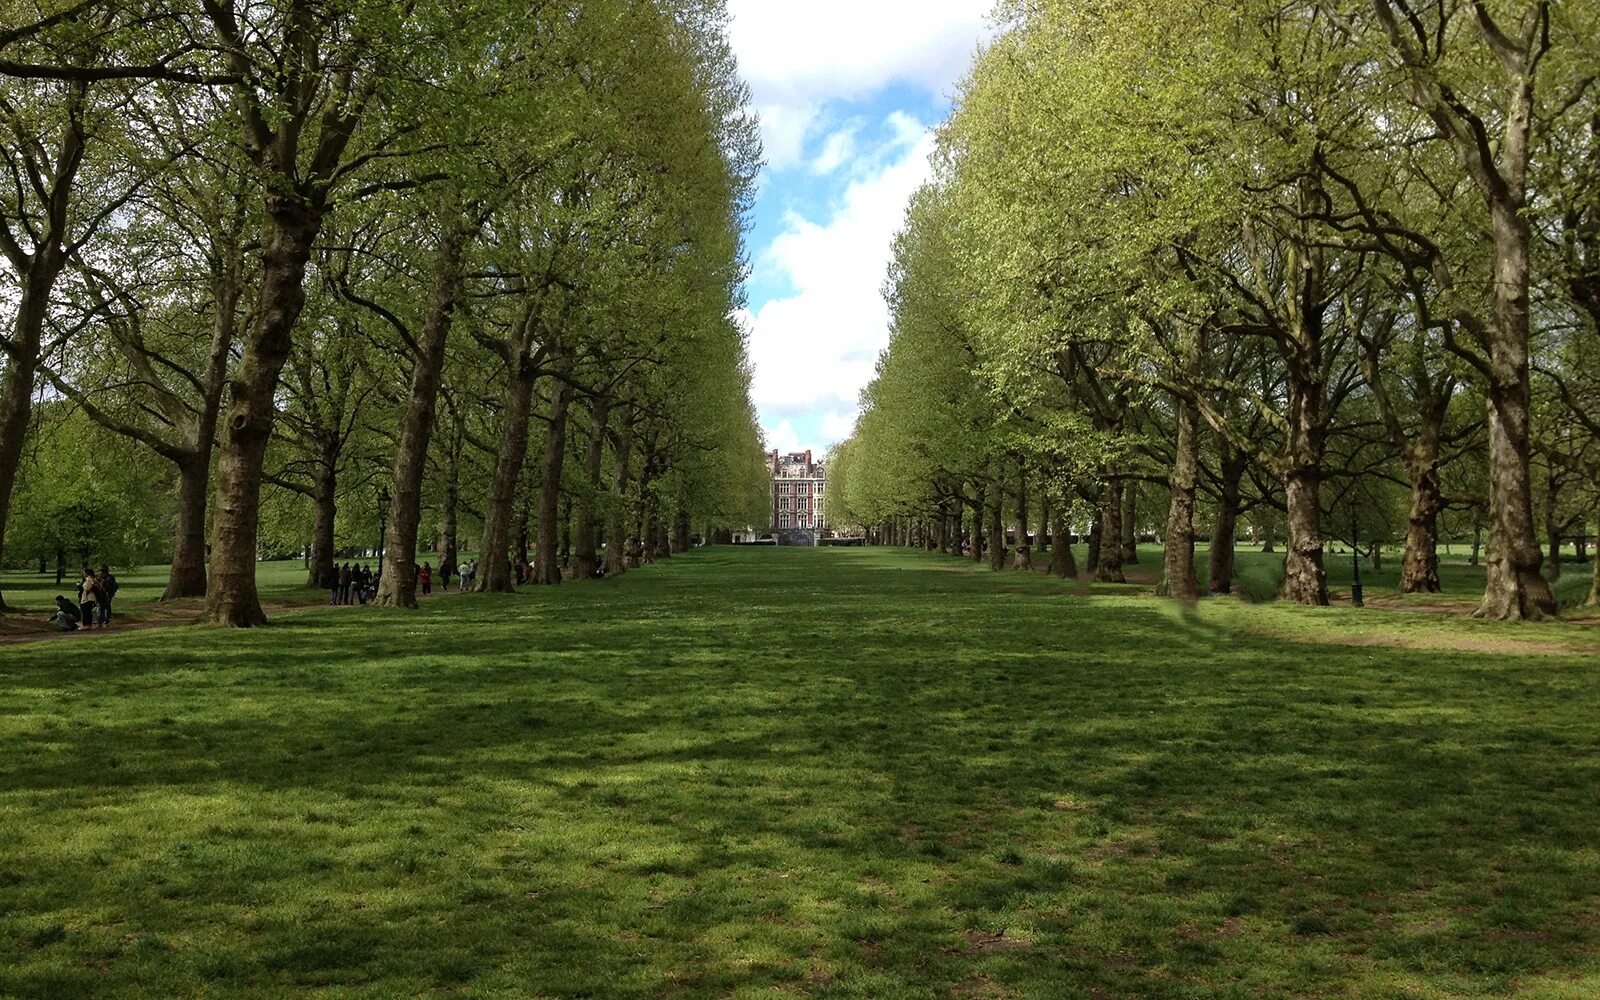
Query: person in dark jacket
(66, 616)
(108, 590)
(344, 584)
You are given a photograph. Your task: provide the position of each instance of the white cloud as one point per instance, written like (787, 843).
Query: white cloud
(837, 150)
(838, 426)
(806, 53)
(784, 130)
(816, 349)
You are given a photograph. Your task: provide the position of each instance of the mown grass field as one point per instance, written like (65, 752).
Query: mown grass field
(835, 773)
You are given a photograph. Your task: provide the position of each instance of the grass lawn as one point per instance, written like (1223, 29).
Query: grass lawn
(823, 773)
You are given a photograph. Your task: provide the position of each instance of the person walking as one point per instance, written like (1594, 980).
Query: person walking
(425, 577)
(108, 590)
(88, 597)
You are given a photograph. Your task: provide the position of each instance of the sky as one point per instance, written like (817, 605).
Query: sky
(848, 92)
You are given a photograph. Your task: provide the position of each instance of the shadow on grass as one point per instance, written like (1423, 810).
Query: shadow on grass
(828, 773)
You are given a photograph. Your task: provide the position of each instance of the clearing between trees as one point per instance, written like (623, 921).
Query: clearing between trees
(829, 773)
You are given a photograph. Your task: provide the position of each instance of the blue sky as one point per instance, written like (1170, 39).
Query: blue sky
(847, 93)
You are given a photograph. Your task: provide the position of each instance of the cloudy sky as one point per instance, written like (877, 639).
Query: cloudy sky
(846, 118)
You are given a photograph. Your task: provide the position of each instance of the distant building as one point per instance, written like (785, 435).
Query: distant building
(799, 498)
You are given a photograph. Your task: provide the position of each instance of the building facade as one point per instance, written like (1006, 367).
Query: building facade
(799, 494)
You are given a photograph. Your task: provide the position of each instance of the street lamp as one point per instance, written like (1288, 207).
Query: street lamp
(383, 524)
(1355, 560)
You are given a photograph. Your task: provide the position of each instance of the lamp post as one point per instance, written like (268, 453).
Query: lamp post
(383, 524)
(1355, 562)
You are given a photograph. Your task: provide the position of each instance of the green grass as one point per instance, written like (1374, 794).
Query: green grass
(835, 773)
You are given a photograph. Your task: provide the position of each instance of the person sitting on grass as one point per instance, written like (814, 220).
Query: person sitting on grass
(66, 616)
(108, 590)
(88, 597)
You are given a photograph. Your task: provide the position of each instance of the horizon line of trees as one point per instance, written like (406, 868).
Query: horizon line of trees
(1329, 267)
(277, 256)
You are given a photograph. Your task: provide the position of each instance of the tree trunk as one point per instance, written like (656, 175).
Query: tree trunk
(997, 529)
(587, 565)
(1305, 579)
(494, 559)
(978, 506)
(1594, 584)
(1178, 573)
(449, 529)
(546, 564)
(1552, 523)
(324, 498)
(1062, 561)
(1108, 568)
(187, 578)
(1130, 523)
(1225, 533)
(616, 524)
(398, 589)
(231, 596)
(1419, 567)
(681, 540)
(1024, 557)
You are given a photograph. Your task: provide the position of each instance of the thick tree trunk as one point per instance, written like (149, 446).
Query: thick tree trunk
(231, 596)
(1552, 524)
(1225, 533)
(1419, 566)
(1024, 556)
(398, 588)
(616, 523)
(1178, 573)
(587, 564)
(1108, 568)
(324, 499)
(681, 540)
(450, 521)
(1062, 561)
(997, 529)
(1130, 523)
(1305, 579)
(978, 508)
(546, 557)
(494, 559)
(187, 577)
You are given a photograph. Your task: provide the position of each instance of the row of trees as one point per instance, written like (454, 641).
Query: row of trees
(483, 254)
(1274, 260)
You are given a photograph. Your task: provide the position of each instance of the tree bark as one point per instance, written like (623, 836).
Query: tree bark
(1305, 579)
(546, 562)
(292, 227)
(997, 528)
(324, 498)
(616, 524)
(587, 563)
(399, 589)
(1225, 533)
(1419, 566)
(1024, 556)
(978, 507)
(1130, 523)
(1108, 568)
(501, 509)
(1178, 572)
(1062, 561)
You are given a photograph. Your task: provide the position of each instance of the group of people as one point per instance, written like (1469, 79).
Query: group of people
(93, 607)
(354, 584)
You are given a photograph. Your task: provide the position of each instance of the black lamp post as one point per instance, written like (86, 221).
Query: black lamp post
(383, 524)
(1355, 562)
